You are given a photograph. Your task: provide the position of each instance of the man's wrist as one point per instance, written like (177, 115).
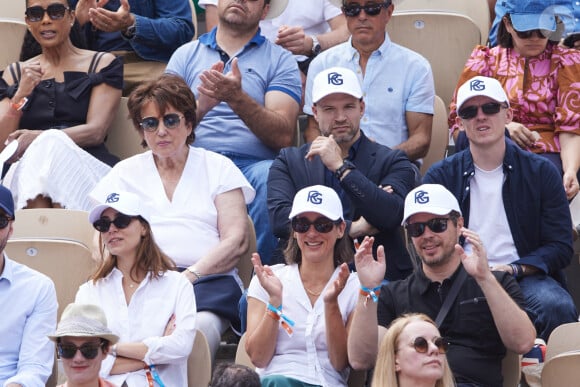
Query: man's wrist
(130, 27)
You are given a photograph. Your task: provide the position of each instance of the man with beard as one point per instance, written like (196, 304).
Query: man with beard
(485, 308)
(28, 304)
(371, 179)
(248, 95)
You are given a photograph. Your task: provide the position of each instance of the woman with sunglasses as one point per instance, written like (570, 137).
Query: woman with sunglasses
(197, 199)
(299, 313)
(83, 341)
(148, 304)
(74, 91)
(412, 354)
(540, 78)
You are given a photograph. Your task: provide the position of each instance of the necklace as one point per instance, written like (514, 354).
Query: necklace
(311, 292)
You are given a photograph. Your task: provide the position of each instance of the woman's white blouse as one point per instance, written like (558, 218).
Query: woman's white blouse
(144, 320)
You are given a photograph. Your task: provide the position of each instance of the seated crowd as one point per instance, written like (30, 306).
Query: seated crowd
(336, 288)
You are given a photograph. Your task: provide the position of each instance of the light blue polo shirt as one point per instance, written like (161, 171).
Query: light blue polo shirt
(265, 67)
(397, 80)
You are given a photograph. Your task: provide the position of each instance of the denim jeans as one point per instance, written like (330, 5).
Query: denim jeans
(256, 171)
(548, 302)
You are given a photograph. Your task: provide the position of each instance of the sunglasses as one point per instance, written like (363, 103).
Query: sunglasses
(489, 109)
(121, 221)
(437, 225)
(354, 9)
(54, 11)
(89, 351)
(421, 344)
(322, 225)
(170, 121)
(4, 221)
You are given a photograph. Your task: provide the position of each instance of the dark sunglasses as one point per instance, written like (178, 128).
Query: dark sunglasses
(322, 225)
(542, 34)
(89, 351)
(489, 109)
(354, 9)
(421, 344)
(170, 121)
(4, 221)
(121, 221)
(437, 225)
(54, 11)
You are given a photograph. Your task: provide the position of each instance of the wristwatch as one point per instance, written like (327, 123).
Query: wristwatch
(195, 273)
(316, 49)
(346, 165)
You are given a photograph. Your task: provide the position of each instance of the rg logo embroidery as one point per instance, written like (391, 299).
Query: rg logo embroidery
(314, 197)
(477, 85)
(422, 197)
(112, 198)
(335, 79)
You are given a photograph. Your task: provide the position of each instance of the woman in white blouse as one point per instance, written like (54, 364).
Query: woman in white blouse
(299, 313)
(148, 305)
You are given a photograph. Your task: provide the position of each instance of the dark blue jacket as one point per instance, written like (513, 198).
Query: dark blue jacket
(535, 204)
(375, 165)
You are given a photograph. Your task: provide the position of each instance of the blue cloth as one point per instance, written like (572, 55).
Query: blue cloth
(28, 304)
(265, 67)
(548, 303)
(397, 80)
(375, 165)
(161, 27)
(537, 212)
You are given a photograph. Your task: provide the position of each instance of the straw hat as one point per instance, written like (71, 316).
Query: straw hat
(84, 320)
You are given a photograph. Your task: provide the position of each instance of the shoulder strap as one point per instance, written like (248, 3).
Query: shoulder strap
(451, 296)
(15, 72)
(95, 62)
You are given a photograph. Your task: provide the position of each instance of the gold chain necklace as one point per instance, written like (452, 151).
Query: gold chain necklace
(311, 292)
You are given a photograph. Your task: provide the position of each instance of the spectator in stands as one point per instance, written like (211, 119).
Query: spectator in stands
(399, 109)
(411, 354)
(197, 199)
(305, 28)
(303, 343)
(479, 311)
(541, 81)
(529, 236)
(150, 306)
(234, 375)
(83, 342)
(66, 88)
(145, 34)
(28, 304)
(248, 94)
(354, 166)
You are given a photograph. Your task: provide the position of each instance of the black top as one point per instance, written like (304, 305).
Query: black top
(476, 350)
(59, 105)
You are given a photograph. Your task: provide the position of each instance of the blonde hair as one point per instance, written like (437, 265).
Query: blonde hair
(385, 374)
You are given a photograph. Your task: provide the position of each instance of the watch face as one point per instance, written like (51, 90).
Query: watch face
(316, 49)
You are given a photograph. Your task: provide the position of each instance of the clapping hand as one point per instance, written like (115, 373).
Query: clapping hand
(371, 272)
(268, 280)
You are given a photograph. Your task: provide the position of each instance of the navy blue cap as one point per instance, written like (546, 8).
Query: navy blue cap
(6, 201)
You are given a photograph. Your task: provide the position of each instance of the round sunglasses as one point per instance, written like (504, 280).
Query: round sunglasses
(437, 225)
(121, 221)
(421, 344)
(170, 121)
(322, 225)
(54, 11)
(4, 221)
(88, 350)
(354, 9)
(489, 109)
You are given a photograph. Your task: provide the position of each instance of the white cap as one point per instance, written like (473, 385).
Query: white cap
(489, 87)
(125, 202)
(319, 199)
(276, 8)
(431, 199)
(335, 80)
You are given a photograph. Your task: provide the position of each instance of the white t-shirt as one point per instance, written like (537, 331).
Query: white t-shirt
(144, 320)
(304, 356)
(487, 216)
(311, 15)
(186, 227)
